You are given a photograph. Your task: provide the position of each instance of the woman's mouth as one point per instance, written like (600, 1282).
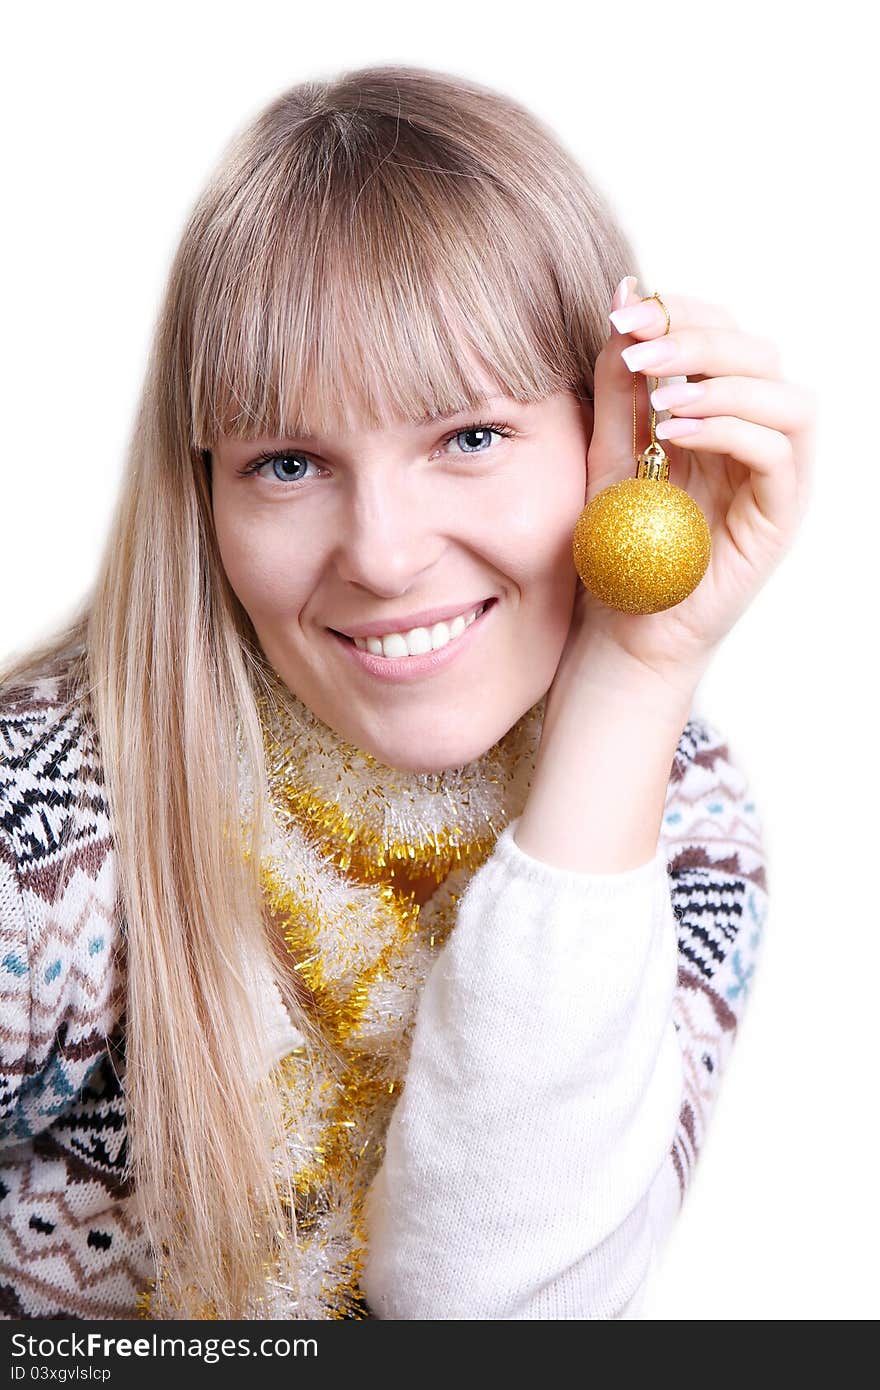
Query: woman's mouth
(422, 651)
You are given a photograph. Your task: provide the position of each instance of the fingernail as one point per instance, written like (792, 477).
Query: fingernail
(637, 316)
(619, 298)
(652, 354)
(679, 393)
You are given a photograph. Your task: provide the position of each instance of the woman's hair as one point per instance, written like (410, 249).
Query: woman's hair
(355, 236)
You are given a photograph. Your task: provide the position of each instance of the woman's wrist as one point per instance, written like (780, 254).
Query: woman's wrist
(602, 769)
(600, 672)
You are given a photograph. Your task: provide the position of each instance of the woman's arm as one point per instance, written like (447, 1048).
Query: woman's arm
(717, 863)
(545, 1079)
(601, 776)
(69, 1244)
(568, 1049)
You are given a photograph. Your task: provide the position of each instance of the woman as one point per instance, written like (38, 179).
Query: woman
(249, 1069)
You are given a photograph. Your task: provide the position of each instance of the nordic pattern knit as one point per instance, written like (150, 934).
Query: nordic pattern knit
(70, 1246)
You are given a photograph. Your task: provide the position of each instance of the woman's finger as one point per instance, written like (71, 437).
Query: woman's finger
(611, 447)
(780, 405)
(712, 351)
(767, 454)
(644, 318)
(611, 444)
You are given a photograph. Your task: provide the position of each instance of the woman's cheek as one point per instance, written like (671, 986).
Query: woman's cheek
(264, 571)
(533, 526)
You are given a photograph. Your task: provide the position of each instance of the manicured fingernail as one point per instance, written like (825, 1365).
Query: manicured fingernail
(653, 354)
(679, 393)
(628, 283)
(676, 426)
(637, 316)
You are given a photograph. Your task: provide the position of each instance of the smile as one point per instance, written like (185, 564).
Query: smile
(402, 656)
(419, 640)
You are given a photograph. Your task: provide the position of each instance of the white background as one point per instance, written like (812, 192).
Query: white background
(734, 144)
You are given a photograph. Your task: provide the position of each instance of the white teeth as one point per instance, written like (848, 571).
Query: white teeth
(419, 639)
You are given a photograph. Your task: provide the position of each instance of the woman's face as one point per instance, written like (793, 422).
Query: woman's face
(375, 526)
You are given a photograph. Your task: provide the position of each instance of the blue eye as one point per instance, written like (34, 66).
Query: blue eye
(284, 456)
(486, 430)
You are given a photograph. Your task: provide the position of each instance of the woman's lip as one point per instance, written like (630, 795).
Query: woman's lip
(428, 617)
(407, 668)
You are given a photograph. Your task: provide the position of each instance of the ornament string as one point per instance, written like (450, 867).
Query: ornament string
(656, 380)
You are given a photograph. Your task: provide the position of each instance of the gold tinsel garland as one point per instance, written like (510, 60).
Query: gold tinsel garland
(346, 832)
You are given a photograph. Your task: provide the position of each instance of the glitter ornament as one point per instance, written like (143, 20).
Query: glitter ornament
(642, 545)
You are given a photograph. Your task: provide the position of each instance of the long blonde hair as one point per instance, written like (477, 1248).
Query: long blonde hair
(349, 236)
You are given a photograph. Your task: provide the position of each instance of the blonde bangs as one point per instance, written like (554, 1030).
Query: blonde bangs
(370, 290)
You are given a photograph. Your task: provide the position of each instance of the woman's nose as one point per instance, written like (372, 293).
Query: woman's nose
(386, 537)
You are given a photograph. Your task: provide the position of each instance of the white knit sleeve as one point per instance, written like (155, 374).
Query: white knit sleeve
(541, 1099)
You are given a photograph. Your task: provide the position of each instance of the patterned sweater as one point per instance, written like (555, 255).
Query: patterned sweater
(70, 1245)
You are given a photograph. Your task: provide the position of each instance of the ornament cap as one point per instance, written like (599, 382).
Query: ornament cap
(653, 463)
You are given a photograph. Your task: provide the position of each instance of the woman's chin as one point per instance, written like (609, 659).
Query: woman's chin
(418, 757)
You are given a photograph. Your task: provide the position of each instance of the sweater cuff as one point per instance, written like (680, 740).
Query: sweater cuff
(553, 878)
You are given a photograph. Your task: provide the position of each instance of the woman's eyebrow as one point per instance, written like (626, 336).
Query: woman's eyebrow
(421, 423)
(432, 419)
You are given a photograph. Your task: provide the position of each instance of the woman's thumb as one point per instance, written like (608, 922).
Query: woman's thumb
(611, 442)
(622, 294)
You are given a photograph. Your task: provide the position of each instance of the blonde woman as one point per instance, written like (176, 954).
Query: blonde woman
(377, 916)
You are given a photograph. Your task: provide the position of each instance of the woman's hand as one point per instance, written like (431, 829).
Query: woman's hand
(747, 465)
(623, 688)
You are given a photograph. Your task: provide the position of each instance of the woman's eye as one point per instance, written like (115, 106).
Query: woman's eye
(477, 438)
(286, 467)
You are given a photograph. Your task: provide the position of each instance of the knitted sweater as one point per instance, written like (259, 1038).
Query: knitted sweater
(567, 1053)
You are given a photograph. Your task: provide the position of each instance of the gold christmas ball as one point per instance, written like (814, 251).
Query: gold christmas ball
(641, 545)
